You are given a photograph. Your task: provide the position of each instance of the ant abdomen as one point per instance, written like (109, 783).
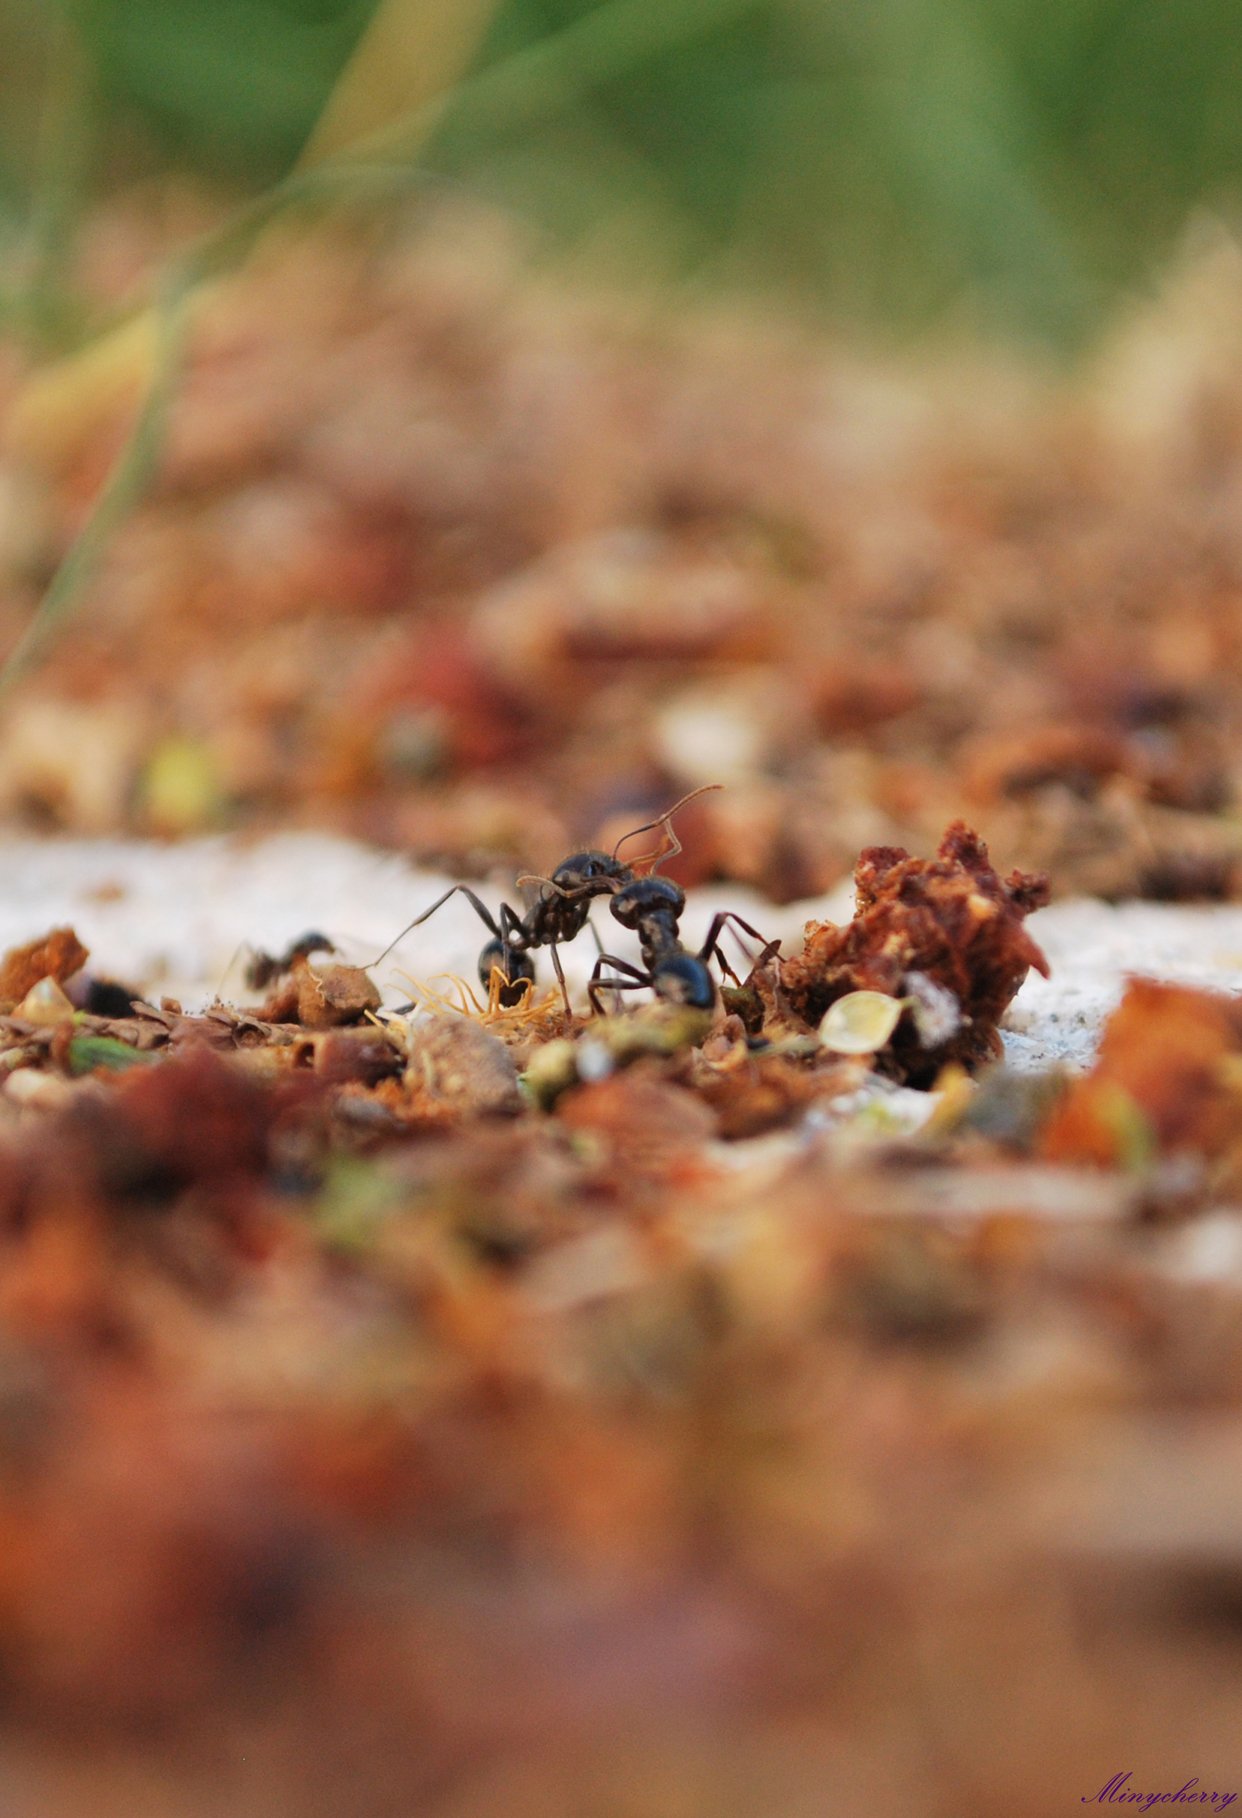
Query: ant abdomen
(518, 969)
(684, 979)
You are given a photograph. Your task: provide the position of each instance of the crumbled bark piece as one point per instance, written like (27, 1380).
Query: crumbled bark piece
(644, 1124)
(1011, 1109)
(464, 1068)
(57, 955)
(951, 920)
(910, 1287)
(194, 1118)
(203, 1031)
(1189, 877)
(328, 996)
(281, 1004)
(746, 1004)
(763, 1093)
(135, 1031)
(855, 694)
(359, 1055)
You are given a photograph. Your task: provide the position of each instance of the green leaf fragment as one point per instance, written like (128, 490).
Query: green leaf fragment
(89, 1052)
(1131, 1128)
(356, 1200)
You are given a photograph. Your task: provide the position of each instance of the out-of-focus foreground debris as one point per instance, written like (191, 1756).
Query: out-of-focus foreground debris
(463, 563)
(468, 1383)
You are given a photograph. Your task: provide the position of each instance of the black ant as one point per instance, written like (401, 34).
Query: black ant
(262, 968)
(558, 914)
(652, 906)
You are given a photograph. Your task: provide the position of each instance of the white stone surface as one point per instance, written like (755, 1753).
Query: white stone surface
(1094, 947)
(176, 919)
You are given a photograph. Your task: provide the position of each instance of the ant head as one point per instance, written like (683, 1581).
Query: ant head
(683, 979)
(647, 896)
(517, 969)
(583, 869)
(576, 880)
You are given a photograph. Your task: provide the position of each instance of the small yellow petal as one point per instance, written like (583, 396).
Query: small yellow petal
(860, 1023)
(44, 1004)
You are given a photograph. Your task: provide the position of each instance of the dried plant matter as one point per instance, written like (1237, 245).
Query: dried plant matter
(946, 933)
(473, 1384)
(58, 955)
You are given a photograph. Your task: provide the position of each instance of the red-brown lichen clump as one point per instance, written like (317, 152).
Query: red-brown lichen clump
(946, 933)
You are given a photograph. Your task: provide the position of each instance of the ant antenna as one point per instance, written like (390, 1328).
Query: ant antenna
(233, 958)
(533, 877)
(665, 820)
(594, 887)
(393, 943)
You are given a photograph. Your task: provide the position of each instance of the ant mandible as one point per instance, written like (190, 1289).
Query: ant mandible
(557, 915)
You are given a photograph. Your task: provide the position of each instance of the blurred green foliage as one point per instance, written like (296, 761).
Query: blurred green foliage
(987, 163)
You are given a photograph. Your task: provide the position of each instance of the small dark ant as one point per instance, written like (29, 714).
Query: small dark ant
(263, 968)
(558, 914)
(105, 997)
(652, 906)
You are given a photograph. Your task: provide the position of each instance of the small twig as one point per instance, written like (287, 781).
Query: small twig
(125, 485)
(65, 134)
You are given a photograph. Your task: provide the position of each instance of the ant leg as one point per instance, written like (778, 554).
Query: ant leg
(617, 986)
(515, 944)
(480, 908)
(711, 946)
(507, 958)
(514, 936)
(251, 962)
(599, 945)
(560, 976)
(511, 923)
(632, 979)
(635, 977)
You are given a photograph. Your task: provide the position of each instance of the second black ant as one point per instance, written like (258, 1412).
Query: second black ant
(652, 906)
(262, 969)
